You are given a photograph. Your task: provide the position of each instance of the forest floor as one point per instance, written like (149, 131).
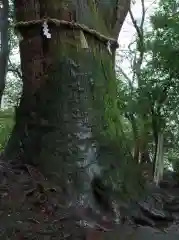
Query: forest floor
(32, 208)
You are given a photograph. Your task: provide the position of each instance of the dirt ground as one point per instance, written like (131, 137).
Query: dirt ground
(33, 208)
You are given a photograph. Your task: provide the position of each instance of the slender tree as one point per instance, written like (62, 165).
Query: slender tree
(4, 50)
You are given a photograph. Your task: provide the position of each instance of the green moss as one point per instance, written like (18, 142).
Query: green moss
(6, 125)
(97, 18)
(97, 63)
(80, 87)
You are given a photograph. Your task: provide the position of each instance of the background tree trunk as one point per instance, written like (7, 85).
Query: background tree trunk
(4, 52)
(62, 114)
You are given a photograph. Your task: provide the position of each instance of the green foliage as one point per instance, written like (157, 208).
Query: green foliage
(6, 125)
(13, 80)
(149, 104)
(161, 74)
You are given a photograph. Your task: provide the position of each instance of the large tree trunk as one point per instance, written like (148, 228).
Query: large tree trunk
(66, 87)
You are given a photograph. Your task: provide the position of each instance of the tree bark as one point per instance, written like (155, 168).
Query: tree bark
(4, 52)
(62, 114)
(159, 164)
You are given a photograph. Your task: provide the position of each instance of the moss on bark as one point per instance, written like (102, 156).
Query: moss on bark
(68, 118)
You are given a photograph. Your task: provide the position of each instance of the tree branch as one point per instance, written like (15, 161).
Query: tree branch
(140, 33)
(125, 75)
(16, 71)
(123, 7)
(13, 69)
